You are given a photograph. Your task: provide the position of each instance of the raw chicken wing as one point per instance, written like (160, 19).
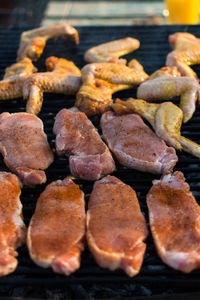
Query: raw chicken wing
(32, 42)
(101, 80)
(90, 158)
(12, 84)
(116, 228)
(24, 147)
(175, 222)
(161, 87)
(186, 52)
(63, 77)
(12, 227)
(57, 228)
(111, 51)
(135, 145)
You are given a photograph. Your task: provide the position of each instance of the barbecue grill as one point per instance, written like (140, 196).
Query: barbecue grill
(91, 281)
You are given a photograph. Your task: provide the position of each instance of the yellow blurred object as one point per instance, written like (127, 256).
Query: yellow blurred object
(183, 11)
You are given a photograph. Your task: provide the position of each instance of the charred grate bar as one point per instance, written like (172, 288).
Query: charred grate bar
(91, 281)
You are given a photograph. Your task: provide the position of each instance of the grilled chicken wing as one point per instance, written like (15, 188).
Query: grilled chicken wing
(32, 42)
(160, 86)
(12, 84)
(175, 222)
(24, 147)
(116, 228)
(101, 80)
(135, 145)
(57, 228)
(12, 227)
(166, 119)
(63, 77)
(110, 52)
(186, 52)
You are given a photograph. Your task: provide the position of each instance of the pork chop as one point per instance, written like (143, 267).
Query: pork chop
(12, 227)
(116, 228)
(56, 231)
(135, 145)
(24, 147)
(175, 222)
(76, 136)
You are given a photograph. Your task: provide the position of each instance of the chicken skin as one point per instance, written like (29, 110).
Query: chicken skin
(62, 77)
(111, 51)
(12, 84)
(166, 119)
(12, 227)
(175, 222)
(186, 52)
(101, 80)
(160, 87)
(24, 147)
(57, 228)
(116, 228)
(32, 42)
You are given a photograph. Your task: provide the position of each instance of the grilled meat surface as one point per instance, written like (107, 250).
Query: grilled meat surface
(24, 147)
(57, 228)
(12, 227)
(76, 136)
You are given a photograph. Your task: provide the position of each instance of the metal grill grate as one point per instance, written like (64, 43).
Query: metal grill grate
(91, 281)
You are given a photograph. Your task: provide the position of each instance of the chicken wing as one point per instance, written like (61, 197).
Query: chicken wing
(12, 84)
(166, 84)
(110, 52)
(166, 119)
(186, 52)
(32, 42)
(101, 80)
(63, 77)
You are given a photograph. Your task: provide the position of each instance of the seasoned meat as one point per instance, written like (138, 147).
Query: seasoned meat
(24, 147)
(135, 145)
(175, 222)
(12, 227)
(76, 136)
(57, 228)
(116, 228)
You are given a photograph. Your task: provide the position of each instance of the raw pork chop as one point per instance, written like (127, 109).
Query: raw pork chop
(90, 158)
(116, 227)
(135, 145)
(175, 222)
(24, 147)
(12, 227)
(56, 231)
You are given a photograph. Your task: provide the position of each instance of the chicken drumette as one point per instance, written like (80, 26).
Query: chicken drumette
(12, 84)
(32, 42)
(101, 80)
(166, 83)
(110, 52)
(166, 119)
(186, 52)
(63, 77)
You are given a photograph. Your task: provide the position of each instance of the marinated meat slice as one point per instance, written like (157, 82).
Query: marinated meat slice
(175, 222)
(135, 145)
(116, 228)
(12, 227)
(24, 147)
(57, 228)
(76, 136)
